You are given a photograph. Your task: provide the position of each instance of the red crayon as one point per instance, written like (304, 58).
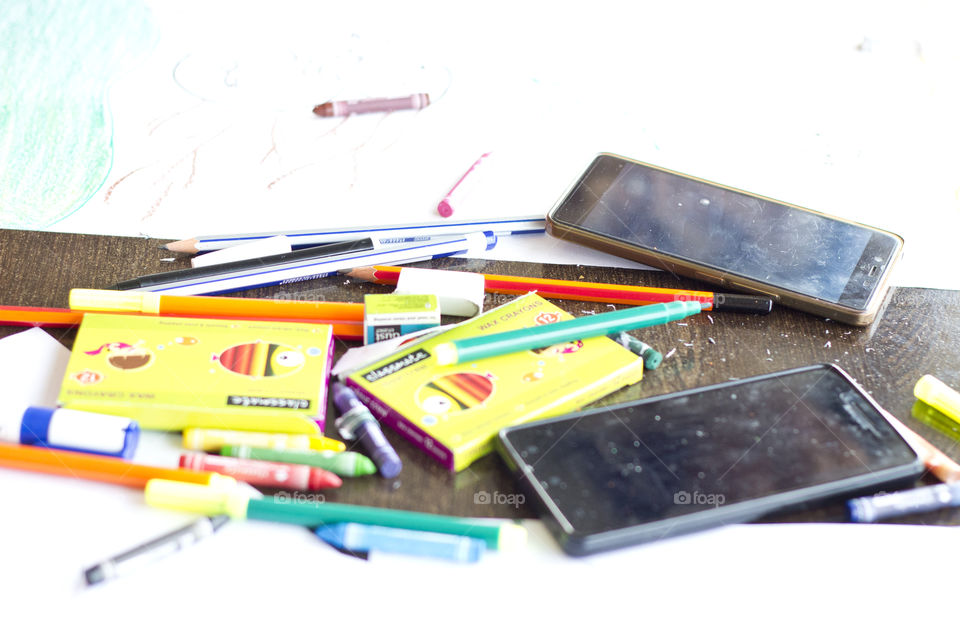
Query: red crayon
(371, 105)
(299, 477)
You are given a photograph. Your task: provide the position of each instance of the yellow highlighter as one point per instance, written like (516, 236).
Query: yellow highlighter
(939, 396)
(216, 439)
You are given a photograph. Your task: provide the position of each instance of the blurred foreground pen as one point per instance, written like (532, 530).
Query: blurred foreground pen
(360, 537)
(154, 550)
(214, 500)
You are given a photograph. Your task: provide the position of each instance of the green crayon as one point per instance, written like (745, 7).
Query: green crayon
(651, 357)
(347, 463)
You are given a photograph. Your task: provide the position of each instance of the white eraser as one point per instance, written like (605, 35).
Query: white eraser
(459, 293)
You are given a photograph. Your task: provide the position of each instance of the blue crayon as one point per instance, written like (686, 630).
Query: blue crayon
(362, 537)
(357, 422)
(901, 503)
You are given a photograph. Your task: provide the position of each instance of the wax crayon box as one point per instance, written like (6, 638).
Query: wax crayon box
(453, 412)
(173, 373)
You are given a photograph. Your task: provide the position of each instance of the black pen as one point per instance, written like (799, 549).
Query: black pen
(180, 275)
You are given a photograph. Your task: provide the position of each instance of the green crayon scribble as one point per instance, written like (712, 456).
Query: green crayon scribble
(57, 60)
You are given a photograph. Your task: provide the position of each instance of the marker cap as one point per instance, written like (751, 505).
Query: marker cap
(220, 498)
(103, 300)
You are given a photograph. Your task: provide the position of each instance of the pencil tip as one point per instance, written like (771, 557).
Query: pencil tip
(360, 273)
(182, 246)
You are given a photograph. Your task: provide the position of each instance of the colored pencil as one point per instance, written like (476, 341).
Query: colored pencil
(590, 291)
(386, 233)
(321, 267)
(86, 466)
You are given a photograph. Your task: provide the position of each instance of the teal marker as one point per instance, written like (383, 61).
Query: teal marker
(346, 463)
(601, 324)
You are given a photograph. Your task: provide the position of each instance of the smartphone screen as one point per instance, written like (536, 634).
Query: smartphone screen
(729, 231)
(728, 453)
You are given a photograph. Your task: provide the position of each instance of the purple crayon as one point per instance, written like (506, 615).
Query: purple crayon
(356, 422)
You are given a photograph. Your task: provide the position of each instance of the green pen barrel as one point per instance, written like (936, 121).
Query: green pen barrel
(346, 463)
(601, 324)
(495, 534)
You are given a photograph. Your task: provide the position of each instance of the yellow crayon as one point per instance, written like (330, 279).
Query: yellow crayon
(939, 396)
(216, 439)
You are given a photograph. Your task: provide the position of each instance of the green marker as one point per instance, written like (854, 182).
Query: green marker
(235, 502)
(601, 324)
(346, 463)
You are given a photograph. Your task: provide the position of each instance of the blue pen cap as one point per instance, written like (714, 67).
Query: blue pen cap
(80, 431)
(491, 239)
(353, 536)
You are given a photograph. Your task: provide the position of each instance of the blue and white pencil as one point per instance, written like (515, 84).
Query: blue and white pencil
(286, 273)
(386, 233)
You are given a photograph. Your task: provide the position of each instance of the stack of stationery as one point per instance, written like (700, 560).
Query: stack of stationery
(454, 412)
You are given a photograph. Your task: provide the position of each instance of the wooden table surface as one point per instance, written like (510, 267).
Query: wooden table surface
(917, 332)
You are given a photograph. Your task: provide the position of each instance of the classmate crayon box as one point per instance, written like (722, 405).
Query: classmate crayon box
(174, 373)
(453, 412)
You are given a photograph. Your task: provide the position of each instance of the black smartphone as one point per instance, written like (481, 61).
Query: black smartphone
(727, 453)
(729, 238)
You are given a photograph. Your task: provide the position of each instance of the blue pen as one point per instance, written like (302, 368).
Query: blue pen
(357, 422)
(71, 430)
(387, 233)
(301, 270)
(362, 537)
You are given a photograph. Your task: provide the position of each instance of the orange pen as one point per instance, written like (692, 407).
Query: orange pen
(86, 466)
(39, 316)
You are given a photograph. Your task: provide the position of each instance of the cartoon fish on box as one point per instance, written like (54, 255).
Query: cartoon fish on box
(261, 359)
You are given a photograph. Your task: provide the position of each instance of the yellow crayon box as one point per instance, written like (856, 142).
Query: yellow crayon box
(174, 373)
(454, 412)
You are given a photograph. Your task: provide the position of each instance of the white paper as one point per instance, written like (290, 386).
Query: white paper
(33, 366)
(845, 109)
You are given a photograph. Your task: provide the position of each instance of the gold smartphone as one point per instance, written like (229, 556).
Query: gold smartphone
(729, 238)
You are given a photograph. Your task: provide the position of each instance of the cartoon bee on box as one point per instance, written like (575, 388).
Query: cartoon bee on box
(261, 359)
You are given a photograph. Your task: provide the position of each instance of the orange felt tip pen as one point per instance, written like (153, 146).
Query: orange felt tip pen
(85, 466)
(346, 318)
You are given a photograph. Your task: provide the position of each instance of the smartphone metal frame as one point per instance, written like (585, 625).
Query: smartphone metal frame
(578, 544)
(715, 276)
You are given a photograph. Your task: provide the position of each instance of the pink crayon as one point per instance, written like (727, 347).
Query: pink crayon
(371, 105)
(299, 477)
(446, 206)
